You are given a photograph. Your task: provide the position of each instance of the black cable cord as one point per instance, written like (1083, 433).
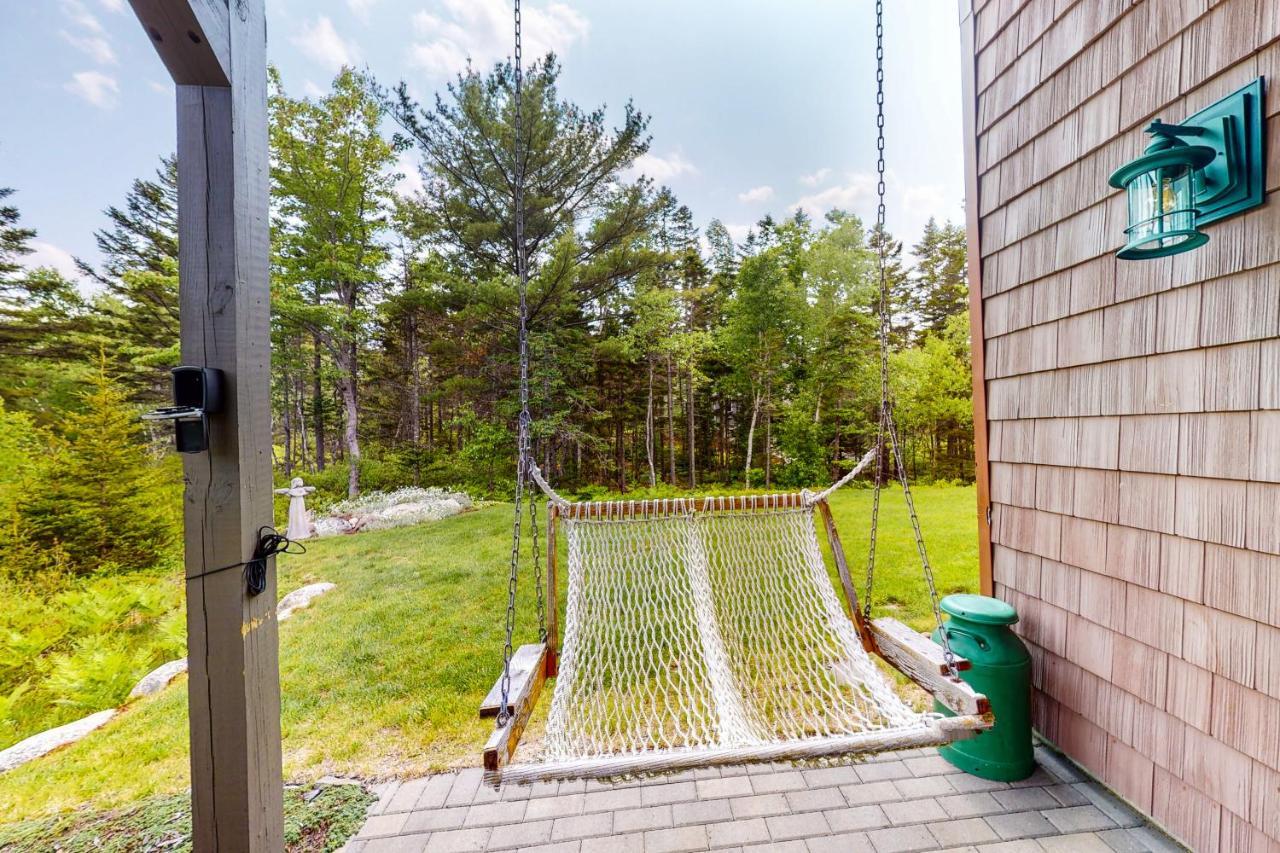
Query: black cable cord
(270, 543)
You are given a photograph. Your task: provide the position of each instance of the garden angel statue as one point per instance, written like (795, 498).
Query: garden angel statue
(299, 522)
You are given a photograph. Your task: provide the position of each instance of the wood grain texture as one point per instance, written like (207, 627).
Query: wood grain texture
(920, 660)
(523, 661)
(504, 740)
(233, 689)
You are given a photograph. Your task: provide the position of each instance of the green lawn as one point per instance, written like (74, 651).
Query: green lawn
(382, 676)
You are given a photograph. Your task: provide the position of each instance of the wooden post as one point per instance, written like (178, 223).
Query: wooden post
(215, 50)
(553, 602)
(977, 346)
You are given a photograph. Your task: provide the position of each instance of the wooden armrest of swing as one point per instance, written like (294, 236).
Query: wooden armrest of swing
(921, 660)
(525, 660)
(892, 633)
(522, 697)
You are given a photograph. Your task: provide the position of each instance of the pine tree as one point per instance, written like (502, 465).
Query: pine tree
(101, 501)
(13, 242)
(941, 288)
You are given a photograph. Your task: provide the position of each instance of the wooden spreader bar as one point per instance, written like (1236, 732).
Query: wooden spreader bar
(523, 697)
(618, 510)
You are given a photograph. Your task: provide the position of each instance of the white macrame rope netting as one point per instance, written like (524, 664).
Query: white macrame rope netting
(692, 626)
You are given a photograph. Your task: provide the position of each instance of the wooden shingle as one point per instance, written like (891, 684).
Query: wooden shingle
(1242, 582)
(1220, 642)
(1175, 382)
(1241, 307)
(1140, 670)
(1055, 489)
(1178, 319)
(1099, 442)
(1264, 444)
(1149, 443)
(1133, 555)
(1090, 645)
(1147, 501)
(1212, 510)
(1129, 329)
(1190, 694)
(1097, 495)
(1102, 600)
(1084, 544)
(1231, 377)
(1262, 517)
(1214, 444)
(1217, 770)
(1153, 618)
(1182, 567)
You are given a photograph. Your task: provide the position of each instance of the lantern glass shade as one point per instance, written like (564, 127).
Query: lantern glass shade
(1162, 213)
(1160, 188)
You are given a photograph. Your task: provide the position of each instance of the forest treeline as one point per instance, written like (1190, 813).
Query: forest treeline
(665, 353)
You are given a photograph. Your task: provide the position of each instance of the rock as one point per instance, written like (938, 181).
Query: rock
(45, 742)
(158, 679)
(300, 598)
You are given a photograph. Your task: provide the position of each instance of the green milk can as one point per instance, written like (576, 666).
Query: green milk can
(979, 631)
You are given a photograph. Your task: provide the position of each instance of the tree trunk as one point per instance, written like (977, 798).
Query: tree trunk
(287, 423)
(768, 435)
(648, 429)
(751, 439)
(351, 441)
(691, 432)
(415, 399)
(317, 403)
(671, 426)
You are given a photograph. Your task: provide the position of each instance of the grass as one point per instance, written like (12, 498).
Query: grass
(382, 676)
(321, 819)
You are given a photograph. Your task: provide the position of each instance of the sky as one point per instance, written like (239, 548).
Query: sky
(756, 106)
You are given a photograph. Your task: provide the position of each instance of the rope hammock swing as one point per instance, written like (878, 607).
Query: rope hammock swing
(706, 631)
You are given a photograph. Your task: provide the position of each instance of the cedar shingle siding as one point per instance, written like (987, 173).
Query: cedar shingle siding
(1134, 437)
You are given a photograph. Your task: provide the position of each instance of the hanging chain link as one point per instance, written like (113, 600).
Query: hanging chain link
(883, 310)
(887, 430)
(524, 426)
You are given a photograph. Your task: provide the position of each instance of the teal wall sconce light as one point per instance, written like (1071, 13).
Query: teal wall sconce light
(1205, 168)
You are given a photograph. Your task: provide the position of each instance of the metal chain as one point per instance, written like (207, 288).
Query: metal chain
(883, 333)
(524, 422)
(887, 429)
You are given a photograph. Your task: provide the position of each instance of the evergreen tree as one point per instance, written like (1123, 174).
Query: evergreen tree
(13, 242)
(334, 187)
(102, 501)
(941, 286)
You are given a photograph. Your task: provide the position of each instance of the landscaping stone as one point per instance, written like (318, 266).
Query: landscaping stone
(300, 598)
(158, 679)
(47, 741)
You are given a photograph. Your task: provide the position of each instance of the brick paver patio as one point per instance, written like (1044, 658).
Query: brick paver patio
(892, 803)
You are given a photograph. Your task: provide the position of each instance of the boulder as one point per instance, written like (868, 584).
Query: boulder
(47, 741)
(300, 598)
(158, 679)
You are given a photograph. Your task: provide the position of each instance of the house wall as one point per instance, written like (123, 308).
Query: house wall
(1132, 407)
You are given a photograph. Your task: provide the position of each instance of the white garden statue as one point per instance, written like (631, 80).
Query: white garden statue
(299, 522)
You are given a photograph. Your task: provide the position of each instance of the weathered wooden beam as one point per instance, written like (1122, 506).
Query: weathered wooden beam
(846, 578)
(920, 659)
(504, 740)
(522, 664)
(553, 593)
(193, 37)
(223, 238)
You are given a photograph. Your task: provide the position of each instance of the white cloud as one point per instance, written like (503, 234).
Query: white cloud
(360, 8)
(738, 232)
(312, 90)
(78, 14)
(161, 88)
(816, 178)
(95, 87)
(480, 30)
(661, 169)
(929, 200)
(854, 196)
(756, 194)
(116, 6)
(96, 47)
(411, 181)
(321, 42)
(48, 255)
